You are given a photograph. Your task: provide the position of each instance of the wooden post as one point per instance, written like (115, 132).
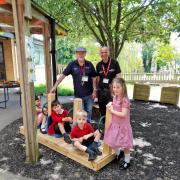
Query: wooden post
(76, 106)
(27, 88)
(106, 148)
(50, 98)
(47, 57)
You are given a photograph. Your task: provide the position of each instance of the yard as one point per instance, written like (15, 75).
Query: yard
(156, 153)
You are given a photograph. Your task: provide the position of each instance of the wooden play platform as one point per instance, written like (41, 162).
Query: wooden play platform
(59, 145)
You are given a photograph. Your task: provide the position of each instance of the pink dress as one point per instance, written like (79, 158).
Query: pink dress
(119, 132)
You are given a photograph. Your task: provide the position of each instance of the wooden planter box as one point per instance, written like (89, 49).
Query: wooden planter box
(170, 95)
(141, 92)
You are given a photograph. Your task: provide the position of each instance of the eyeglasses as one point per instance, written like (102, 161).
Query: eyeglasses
(104, 52)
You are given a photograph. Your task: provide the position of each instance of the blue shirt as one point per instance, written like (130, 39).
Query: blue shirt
(81, 88)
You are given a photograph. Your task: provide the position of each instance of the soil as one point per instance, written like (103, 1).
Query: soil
(156, 154)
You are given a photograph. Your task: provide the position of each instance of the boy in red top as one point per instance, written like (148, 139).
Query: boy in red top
(83, 136)
(58, 116)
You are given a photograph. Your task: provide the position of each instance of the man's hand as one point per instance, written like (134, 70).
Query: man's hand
(52, 90)
(94, 94)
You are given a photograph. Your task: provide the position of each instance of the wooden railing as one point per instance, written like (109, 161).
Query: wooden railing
(142, 77)
(152, 77)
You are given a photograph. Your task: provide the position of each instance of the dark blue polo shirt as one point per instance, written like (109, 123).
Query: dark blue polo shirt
(113, 70)
(81, 89)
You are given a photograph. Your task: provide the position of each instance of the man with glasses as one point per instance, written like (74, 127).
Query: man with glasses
(106, 70)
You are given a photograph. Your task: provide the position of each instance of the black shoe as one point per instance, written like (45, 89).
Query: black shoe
(95, 149)
(120, 156)
(43, 131)
(92, 155)
(124, 165)
(67, 139)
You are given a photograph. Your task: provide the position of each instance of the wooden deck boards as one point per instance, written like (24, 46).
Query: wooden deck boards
(58, 144)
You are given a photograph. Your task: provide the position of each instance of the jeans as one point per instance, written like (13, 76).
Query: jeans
(87, 106)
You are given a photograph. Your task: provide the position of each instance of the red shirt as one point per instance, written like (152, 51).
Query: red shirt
(76, 132)
(56, 118)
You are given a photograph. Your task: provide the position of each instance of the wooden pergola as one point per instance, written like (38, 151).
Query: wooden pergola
(23, 18)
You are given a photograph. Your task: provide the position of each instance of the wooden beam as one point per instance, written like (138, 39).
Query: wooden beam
(106, 148)
(27, 88)
(50, 98)
(39, 16)
(47, 57)
(6, 19)
(76, 106)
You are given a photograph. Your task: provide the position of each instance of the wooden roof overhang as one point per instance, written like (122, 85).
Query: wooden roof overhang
(39, 17)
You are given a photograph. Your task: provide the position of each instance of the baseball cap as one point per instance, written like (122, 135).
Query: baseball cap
(81, 49)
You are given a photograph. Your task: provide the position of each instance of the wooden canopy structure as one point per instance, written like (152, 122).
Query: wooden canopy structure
(23, 18)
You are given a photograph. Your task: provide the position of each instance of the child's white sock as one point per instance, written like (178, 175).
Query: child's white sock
(127, 157)
(117, 151)
(42, 126)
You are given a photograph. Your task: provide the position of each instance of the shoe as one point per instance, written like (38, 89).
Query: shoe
(67, 139)
(92, 155)
(43, 131)
(124, 165)
(95, 149)
(120, 156)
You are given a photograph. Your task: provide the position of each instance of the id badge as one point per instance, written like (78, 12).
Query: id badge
(105, 80)
(85, 78)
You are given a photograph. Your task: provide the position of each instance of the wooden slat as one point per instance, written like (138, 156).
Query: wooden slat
(58, 144)
(106, 149)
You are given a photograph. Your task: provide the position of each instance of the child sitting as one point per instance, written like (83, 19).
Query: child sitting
(83, 136)
(58, 116)
(41, 119)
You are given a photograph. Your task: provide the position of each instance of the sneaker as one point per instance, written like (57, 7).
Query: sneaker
(124, 165)
(92, 156)
(67, 139)
(43, 131)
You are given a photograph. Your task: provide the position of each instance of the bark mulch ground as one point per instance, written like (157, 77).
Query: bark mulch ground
(156, 153)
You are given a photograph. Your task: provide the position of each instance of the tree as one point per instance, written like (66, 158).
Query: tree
(164, 56)
(147, 55)
(113, 22)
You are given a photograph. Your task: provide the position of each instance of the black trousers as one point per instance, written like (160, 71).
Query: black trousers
(104, 97)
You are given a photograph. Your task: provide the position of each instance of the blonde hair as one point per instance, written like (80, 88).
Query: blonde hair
(122, 82)
(81, 113)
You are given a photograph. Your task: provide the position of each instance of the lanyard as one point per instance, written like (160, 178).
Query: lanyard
(107, 70)
(82, 70)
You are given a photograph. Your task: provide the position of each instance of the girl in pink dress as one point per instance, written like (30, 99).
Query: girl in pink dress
(119, 133)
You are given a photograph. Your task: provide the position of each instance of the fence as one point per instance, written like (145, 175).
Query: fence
(152, 77)
(142, 77)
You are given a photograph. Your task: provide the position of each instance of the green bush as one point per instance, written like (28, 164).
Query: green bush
(65, 92)
(62, 91)
(40, 89)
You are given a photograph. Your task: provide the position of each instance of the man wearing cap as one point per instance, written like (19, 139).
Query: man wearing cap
(106, 70)
(84, 79)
